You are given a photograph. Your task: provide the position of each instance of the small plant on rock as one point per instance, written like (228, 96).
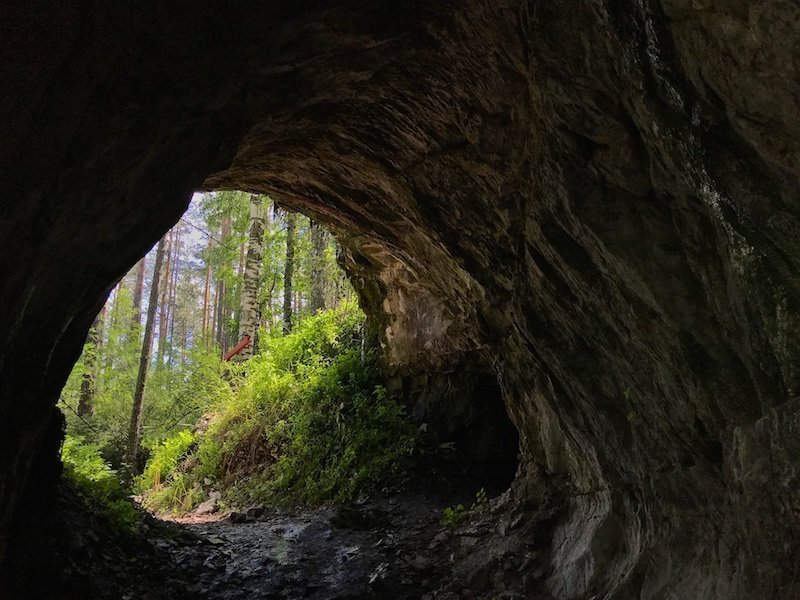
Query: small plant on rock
(453, 516)
(481, 501)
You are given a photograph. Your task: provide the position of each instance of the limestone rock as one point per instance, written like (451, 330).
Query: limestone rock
(209, 506)
(593, 205)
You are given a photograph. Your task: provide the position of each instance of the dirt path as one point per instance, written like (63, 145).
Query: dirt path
(379, 549)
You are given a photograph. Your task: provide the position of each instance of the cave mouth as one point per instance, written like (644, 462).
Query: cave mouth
(469, 445)
(213, 265)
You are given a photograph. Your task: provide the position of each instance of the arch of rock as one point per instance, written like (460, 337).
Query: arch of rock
(595, 201)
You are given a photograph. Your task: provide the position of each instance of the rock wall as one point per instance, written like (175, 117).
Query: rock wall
(595, 201)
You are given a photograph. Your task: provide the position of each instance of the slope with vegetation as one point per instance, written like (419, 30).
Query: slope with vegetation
(304, 421)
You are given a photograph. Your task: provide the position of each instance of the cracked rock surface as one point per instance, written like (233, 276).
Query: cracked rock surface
(595, 203)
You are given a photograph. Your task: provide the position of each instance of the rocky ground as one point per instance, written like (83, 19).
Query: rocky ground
(381, 548)
(384, 547)
(392, 545)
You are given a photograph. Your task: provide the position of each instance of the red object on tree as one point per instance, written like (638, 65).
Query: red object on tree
(237, 348)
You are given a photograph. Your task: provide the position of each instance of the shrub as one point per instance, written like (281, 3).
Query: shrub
(164, 459)
(98, 483)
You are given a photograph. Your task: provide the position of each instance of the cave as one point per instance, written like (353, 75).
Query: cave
(591, 206)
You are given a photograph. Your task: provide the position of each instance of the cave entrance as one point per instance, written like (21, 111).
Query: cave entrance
(311, 419)
(239, 427)
(235, 278)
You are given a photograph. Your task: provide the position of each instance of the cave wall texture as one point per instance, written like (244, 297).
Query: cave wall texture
(596, 201)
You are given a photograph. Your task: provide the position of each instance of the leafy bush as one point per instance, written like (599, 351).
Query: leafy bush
(164, 459)
(308, 423)
(98, 483)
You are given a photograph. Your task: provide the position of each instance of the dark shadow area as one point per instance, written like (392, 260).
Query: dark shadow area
(489, 441)
(476, 444)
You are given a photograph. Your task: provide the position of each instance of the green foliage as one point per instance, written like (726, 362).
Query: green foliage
(309, 423)
(481, 501)
(175, 397)
(98, 483)
(453, 516)
(164, 459)
(182, 494)
(269, 403)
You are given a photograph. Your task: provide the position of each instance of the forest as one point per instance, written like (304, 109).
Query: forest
(229, 365)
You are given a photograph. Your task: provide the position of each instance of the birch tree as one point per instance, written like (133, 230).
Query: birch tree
(249, 316)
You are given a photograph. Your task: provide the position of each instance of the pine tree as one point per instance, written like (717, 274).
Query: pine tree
(222, 309)
(207, 304)
(89, 380)
(173, 295)
(163, 305)
(138, 291)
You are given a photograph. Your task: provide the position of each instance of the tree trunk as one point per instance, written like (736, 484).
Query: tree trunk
(319, 274)
(288, 271)
(242, 252)
(173, 295)
(207, 300)
(138, 291)
(213, 316)
(93, 341)
(223, 310)
(163, 304)
(206, 290)
(219, 314)
(144, 360)
(250, 313)
(115, 304)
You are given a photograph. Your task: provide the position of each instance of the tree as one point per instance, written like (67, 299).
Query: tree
(249, 317)
(222, 308)
(144, 360)
(138, 291)
(89, 380)
(288, 271)
(318, 267)
(206, 320)
(163, 305)
(173, 292)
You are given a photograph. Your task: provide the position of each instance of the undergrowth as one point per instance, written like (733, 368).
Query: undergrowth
(98, 484)
(307, 423)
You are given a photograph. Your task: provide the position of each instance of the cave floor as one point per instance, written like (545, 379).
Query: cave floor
(390, 545)
(379, 548)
